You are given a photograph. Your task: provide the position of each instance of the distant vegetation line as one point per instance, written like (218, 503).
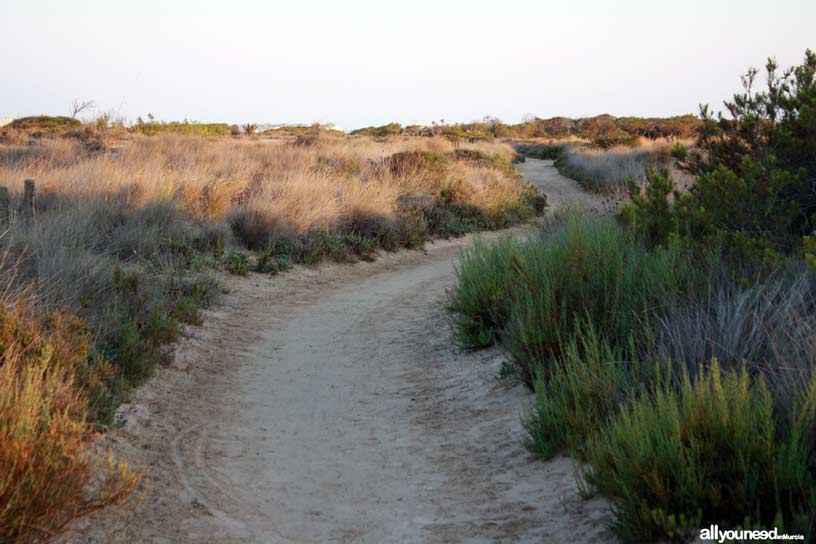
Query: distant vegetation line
(603, 130)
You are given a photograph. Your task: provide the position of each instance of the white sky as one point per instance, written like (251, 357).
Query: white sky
(363, 62)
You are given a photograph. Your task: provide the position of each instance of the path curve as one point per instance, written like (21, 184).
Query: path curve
(328, 405)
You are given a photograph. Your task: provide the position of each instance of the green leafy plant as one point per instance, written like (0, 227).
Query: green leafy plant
(237, 263)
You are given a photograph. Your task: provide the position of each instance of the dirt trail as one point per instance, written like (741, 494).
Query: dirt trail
(328, 405)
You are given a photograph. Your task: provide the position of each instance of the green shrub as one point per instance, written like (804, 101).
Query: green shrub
(590, 270)
(615, 138)
(710, 452)
(753, 171)
(190, 128)
(651, 214)
(273, 260)
(391, 129)
(582, 391)
(480, 299)
(534, 294)
(46, 122)
(237, 263)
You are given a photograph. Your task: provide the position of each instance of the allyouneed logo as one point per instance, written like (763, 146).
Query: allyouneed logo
(714, 533)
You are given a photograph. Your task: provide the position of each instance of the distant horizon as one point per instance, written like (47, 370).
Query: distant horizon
(367, 63)
(133, 121)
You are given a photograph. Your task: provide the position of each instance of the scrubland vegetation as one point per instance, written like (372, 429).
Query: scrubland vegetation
(124, 245)
(671, 347)
(602, 130)
(600, 152)
(607, 171)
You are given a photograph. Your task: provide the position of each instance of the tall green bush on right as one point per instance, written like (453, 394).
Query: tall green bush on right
(755, 170)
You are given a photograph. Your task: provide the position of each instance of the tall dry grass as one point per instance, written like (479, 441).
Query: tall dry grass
(126, 202)
(606, 170)
(303, 186)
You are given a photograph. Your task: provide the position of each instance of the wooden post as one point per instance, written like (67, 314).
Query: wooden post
(5, 208)
(27, 210)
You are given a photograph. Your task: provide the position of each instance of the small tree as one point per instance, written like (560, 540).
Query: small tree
(78, 106)
(250, 128)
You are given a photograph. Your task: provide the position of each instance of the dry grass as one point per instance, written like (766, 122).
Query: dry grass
(303, 187)
(606, 170)
(127, 202)
(47, 474)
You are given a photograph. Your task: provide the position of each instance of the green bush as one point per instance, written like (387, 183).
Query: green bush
(391, 129)
(190, 128)
(582, 390)
(590, 270)
(650, 213)
(46, 123)
(480, 299)
(237, 263)
(615, 138)
(273, 261)
(535, 294)
(710, 452)
(753, 171)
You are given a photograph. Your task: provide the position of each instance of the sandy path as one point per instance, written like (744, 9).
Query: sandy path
(561, 191)
(328, 405)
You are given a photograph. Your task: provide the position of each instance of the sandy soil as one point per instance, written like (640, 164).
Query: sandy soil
(328, 405)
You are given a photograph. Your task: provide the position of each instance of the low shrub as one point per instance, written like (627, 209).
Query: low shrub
(391, 129)
(136, 323)
(48, 472)
(615, 138)
(710, 452)
(237, 263)
(152, 128)
(475, 157)
(608, 169)
(581, 392)
(480, 300)
(426, 164)
(770, 327)
(45, 123)
(270, 264)
(534, 294)
(540, 150)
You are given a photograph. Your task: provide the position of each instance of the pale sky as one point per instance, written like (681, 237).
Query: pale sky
(364, 62)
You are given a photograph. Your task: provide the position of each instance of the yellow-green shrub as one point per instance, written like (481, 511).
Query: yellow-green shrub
(710, 451)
